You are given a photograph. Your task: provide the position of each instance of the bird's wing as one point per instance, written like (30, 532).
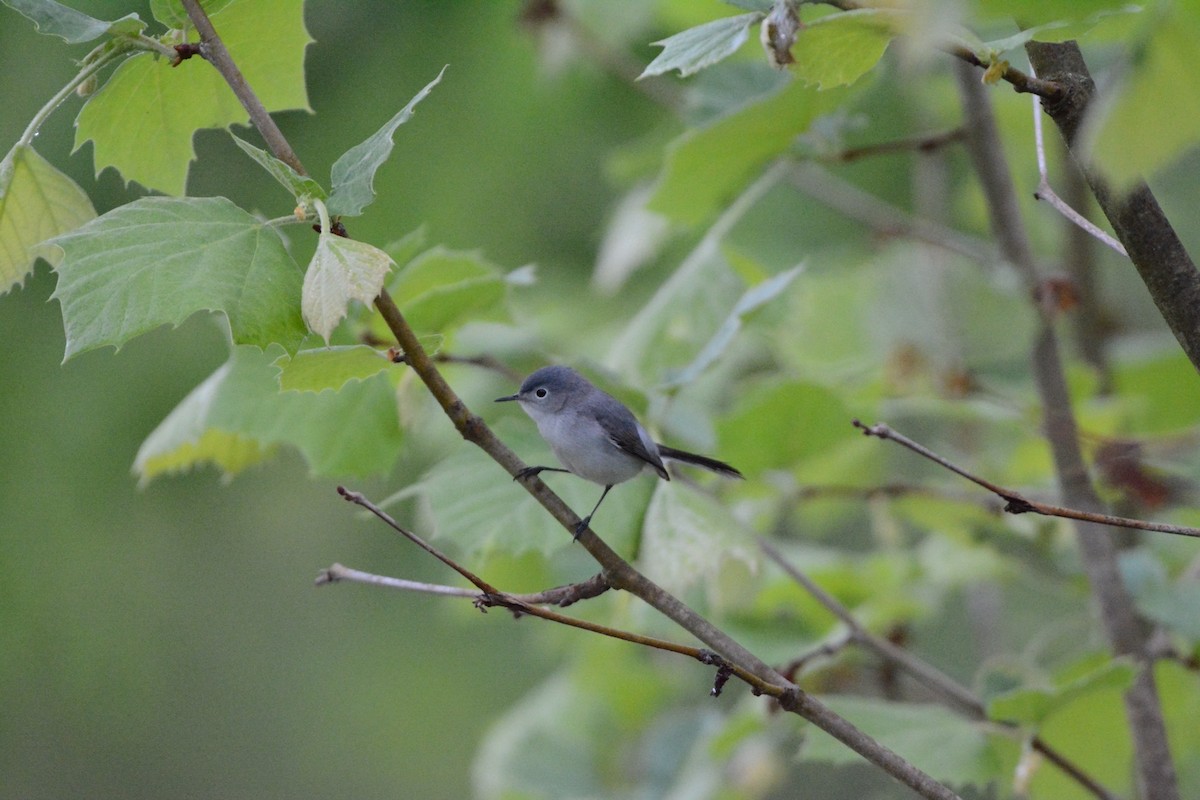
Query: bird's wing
(624, 431)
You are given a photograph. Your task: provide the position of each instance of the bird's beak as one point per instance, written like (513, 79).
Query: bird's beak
(505, 399)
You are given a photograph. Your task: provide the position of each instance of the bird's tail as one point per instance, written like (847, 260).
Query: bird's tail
(719, 467)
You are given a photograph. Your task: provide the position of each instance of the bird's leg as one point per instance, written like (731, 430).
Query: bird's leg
(583, 523)
(529, 472)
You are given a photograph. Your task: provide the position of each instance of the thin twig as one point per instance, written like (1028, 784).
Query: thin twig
(1014, 501)
(919, 144)
(1047, 193)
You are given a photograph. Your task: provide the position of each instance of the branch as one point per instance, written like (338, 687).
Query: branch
(919, 144)
(618, 572)
(1155, 249)
(924, 672)
(1014, 501)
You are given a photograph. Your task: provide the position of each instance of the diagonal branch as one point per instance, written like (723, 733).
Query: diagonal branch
(1014, 501)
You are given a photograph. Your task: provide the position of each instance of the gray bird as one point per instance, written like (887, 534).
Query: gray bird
(595, 435)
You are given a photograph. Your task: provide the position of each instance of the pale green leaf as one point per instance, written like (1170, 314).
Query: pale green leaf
(754, 298)
(707, 166)
(55, 19)
(341, 270)
(158, 260)
(1152, 115)
(442, 287)
(1034, 706)
(352, 177)
(171, 13)
(838, 49)
(302, 187)
(329, 367)
(238, 416)
(944, 743)
(403, 250)
(142, 119)
(702, 46)
(36, 202)
(688, 537)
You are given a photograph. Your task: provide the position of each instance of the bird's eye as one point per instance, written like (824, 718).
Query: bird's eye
(541, 392)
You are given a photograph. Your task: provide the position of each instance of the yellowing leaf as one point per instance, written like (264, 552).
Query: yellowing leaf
(36, 202)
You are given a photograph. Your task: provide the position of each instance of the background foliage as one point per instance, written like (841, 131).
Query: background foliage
(164, 639)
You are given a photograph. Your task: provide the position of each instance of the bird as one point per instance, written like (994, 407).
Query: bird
(594, 435)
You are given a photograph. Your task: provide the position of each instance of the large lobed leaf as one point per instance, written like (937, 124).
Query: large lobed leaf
(838, 49)
(36, 202)
(142, 120)
(158, 260)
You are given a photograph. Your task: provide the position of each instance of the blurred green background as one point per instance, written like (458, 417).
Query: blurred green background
(168, 642)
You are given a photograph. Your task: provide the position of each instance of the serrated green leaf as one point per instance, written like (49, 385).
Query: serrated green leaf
(1153, 96)
(142, 119)
(441, 287)
(238, 416)
(838, 49)
(706, 166)
(945, 744)
(158, 260)
(702, 46)
(341, 270)
(753, 298)
(171, 13)
(688, 537)
(36, 202)
(329, 367)
(302, 187)
(55, 19)
(352, 177)
(1034, 706)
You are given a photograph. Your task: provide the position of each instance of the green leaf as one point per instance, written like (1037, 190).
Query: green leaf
(442, 287)
(1034, 706)
(1151, 97)
(702, 46)
(688, 537)
(238, 416)
(353, 174)
(171, 13)
(55, 19)
(36, 202)
(943, 743)
(329, 367)
(143, 118)
(838, 49)
(158, 260)
(302, 187)
(706, 166)
(753, 299)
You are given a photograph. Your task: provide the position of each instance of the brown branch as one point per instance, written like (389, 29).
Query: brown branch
(1155, 249)
(933, 678)
(918, 144)
(1014, 501)
(215, 52)
(1021, 82)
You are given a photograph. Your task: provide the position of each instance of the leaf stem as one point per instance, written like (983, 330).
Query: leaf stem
(112, 51)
